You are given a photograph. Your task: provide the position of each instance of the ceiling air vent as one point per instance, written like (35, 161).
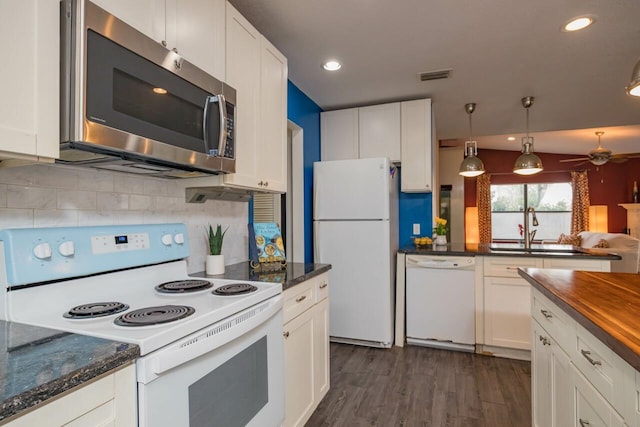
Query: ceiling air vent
(435, 75)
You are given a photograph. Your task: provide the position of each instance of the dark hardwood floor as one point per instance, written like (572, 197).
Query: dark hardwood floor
(419, 386)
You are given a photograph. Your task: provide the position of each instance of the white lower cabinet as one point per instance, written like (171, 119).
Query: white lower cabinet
(108, 401)
(550, 378)
(576, 379)
(507, 309)
(306, 348)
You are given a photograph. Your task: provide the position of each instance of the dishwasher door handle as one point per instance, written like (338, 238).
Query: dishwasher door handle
(439, 264)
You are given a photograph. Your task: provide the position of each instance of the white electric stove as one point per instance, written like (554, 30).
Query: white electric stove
(130, 283)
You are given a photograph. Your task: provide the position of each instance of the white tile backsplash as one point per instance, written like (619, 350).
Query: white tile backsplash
(55, 196)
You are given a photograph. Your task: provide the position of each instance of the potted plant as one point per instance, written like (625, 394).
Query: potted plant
(214, 263)
(440, 231)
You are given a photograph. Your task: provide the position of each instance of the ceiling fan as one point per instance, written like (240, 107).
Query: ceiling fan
(602, 155)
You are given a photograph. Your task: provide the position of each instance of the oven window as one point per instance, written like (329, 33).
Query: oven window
(233, 393)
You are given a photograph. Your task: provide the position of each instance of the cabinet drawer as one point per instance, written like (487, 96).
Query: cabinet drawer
(577, 264)
(601, 366)
(297, 300)
(555, 321)
(321, 287)
(508, 266)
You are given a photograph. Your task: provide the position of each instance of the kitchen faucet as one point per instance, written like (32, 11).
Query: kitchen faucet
(528, 237)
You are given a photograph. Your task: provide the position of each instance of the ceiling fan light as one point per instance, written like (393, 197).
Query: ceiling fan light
(634, 85)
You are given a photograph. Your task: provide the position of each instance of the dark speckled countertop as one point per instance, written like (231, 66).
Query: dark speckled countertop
(542, 251)
(37, 364)
(294, 273)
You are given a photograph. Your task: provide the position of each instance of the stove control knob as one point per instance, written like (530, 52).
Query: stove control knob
(67, 248)
(167, 239)
(179, 238)
(42, 251)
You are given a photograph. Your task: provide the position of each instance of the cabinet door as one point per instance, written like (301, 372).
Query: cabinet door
(298, 369)
(321, 349)
(552, 404)
(29, 104)
(540, 377)
(196, 29)
(379, 131)
(272, 141)
(591, 409)
(243, 73)
(339, 134)
(416, 150)
(507, 312)
(146, 16)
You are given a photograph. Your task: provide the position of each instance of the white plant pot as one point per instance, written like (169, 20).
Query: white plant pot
(214, 264)
(441, 240)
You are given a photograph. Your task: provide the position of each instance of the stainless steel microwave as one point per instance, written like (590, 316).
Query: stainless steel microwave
(129, 104)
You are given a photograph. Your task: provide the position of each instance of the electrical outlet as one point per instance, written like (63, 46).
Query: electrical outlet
(416, 229)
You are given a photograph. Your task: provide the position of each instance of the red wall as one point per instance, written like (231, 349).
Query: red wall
(609, 184)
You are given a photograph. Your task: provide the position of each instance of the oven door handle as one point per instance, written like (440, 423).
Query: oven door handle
(209, 339)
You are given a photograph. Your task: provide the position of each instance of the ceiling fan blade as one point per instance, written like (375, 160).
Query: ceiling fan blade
(579, 159)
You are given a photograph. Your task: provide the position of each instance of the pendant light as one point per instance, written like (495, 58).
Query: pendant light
(471, 165)
(634, 83)
(528, 163)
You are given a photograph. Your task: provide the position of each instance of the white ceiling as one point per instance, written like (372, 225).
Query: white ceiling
(499, 50)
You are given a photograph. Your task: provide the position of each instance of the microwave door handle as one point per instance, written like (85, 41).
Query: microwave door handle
(222, 142)
(205, 125)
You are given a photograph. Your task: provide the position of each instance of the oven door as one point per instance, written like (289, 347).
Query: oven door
(229, 374)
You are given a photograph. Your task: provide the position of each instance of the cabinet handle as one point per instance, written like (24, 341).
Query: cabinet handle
(266, 183)
(302, 298)
(584, 423)
(512, 268)
(286, 334)
(261, 183)
(324, 285)
(545, 340)
(164, 43)
(587, 355)
(546, 314)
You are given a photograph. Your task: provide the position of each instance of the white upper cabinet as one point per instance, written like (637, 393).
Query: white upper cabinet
(379, 131)
(339, 134)
(29, 106)
(195, 29)
(361, 133)
(258, 72)
(400, 131)
(272, 139)
(416, 144)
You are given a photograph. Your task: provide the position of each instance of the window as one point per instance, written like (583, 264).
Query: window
(552, 203)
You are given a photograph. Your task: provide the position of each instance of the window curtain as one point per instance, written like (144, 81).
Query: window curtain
(483, 201)
(580, 208)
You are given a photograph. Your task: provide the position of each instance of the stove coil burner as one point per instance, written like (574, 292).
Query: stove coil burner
(183, 286)
(154, 315)
(235, 289)
(96, 309)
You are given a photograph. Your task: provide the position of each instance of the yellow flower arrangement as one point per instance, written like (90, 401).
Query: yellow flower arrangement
(441, 226)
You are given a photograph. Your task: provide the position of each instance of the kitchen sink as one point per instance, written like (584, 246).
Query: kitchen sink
(535, 248)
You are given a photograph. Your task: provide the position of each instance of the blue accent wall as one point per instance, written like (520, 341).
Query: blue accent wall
(414, 208)
(305, 113)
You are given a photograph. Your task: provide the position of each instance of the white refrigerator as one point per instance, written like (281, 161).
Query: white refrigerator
(355, 213)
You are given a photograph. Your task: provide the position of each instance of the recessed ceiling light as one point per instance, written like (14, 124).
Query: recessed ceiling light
(511, 138)
(578, 23)
(332, 65)
(160, 90)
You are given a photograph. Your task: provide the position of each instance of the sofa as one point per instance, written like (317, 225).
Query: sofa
(620, 244)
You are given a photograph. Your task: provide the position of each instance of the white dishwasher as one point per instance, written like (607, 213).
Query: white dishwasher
(440, 301)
